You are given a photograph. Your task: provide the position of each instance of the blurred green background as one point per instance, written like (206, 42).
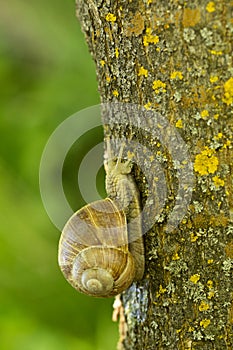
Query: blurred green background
(46, 75)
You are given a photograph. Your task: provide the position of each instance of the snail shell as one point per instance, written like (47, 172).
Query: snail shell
(93, 250)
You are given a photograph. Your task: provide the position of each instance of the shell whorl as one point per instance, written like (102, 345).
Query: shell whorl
(93, 250)
(97, 281)
(113, 268)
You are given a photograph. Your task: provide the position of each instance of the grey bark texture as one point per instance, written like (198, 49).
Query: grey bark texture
(175, 58)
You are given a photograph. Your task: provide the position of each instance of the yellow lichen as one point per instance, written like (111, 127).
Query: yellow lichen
(218, 182)
(179, 124)
(175, 257)
(195, 278)
(142, 71)
(115, 93)
(161, 291)
(228, 91)
(117, 52)
(176, 74)
(204, 306)
(210, 261)
(159, 86)
(219, 136)
(210, 7)
(102, 62)
(227, 144)
(210, 284)
(130, 155)
(110, 17)
(211, 294)
(214, 52)
(193, 238)
(213, 79)
(148, 105)
(205, 162)
(151, 158)
(204, 113)
(150, 38)
(204, 323)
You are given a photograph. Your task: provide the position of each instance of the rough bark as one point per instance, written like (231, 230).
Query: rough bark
(175, 58)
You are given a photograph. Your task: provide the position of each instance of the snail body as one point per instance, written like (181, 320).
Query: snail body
(101, 249)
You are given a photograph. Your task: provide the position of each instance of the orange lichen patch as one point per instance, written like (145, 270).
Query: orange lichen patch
(228, 91)
(203, 99)
(205, 162)
(219, 220)
(136, 26)
(199, 96)
(204, 221)
(199, 220)
(191, 17)
(229, 249)
(231, 313)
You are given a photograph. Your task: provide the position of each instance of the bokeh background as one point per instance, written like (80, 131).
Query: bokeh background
(46, 75)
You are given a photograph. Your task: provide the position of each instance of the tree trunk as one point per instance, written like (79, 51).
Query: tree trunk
(173, 61)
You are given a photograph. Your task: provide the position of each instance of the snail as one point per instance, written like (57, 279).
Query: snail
(101, 248)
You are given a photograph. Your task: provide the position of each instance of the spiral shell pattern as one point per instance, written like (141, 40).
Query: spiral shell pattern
(93, 250)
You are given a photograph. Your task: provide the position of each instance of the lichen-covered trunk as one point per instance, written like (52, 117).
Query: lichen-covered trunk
(174, 58)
